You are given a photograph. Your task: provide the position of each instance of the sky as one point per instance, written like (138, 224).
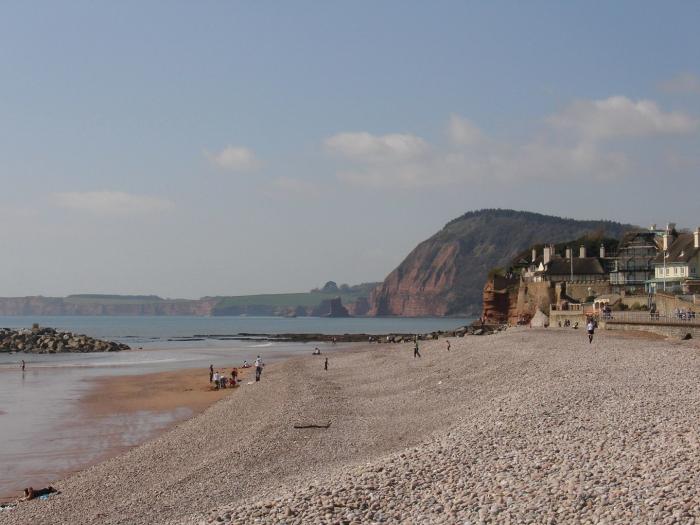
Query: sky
(220, 148)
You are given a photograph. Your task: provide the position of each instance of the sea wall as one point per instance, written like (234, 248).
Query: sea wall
(667, 330)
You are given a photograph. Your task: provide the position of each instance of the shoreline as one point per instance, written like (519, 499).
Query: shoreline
(167, 398)
(513, 426)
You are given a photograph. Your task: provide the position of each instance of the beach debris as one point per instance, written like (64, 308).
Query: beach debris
(312, 425)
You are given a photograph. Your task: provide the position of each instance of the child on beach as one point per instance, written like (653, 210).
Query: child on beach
(258, 368)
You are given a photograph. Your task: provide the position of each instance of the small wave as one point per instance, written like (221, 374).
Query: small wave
(262, 345)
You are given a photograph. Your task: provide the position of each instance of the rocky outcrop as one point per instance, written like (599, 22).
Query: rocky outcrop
(359, 308)
(50, 341)
(330, 308)
(445, 274)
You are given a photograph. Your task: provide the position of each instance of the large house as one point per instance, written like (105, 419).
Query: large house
(634, 264)
(677, 266)
(553, 267)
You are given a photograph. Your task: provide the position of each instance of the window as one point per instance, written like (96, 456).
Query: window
(668, 271)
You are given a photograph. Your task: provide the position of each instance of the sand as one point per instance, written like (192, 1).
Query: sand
(178, 395)
(156, 392)
(529, 425)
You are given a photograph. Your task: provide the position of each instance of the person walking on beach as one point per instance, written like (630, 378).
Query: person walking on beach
(211, 373)
(23, 365)
(216, 380)
(590, 328)
(416, 353)
(325, 364)
(258, 368)
(448, 345)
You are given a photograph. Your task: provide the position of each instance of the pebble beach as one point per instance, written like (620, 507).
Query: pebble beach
(524, 426)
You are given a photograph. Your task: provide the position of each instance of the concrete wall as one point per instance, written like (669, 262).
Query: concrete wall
(667, 303)
(676, 332)
(579, 291)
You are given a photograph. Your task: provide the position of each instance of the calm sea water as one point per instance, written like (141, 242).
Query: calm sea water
(137, 330)
(45, 435)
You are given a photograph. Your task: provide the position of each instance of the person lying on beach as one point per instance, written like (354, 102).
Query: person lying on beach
(30, 493)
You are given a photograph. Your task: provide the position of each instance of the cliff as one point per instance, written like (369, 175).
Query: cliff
(445, 274)
(79, 305)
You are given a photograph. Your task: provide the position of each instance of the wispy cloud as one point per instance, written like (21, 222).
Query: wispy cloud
(234, 158)
(111, 202)
(620, 117)
(585, 151)
(365, 147)
(681, 83)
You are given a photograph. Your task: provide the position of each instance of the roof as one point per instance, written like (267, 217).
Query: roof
(681, 251)
(581, 266)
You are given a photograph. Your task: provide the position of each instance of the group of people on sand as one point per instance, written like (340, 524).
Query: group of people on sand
(220, 380)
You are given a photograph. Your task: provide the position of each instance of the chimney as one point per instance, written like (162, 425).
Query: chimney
(670, 227)
(696, 238)
(547, 256)
(534, 255)
(653, 227)
(664, 243)
(568, 253)
(602, 251)
(582, 251)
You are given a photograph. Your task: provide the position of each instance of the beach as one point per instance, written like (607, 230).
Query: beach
(528, 425)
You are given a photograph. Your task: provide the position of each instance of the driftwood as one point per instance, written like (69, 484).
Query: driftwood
(313, 425)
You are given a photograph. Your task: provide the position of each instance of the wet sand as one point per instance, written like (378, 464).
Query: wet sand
(159, 392)
(130, 410)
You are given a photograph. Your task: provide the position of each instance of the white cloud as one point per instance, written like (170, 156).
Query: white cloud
(234, 158)
(682, 83)
(463, 132)
(111, 202)
(289, 185)
(619, 117)
(365, 147)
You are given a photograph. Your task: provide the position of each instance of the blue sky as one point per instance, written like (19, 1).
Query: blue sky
(187, 149)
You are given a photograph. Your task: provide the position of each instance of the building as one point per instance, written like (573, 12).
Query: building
(677, 266)
(633, 266)
(556, 268)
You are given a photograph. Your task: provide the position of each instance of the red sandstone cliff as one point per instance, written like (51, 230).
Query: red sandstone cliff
(445, 274)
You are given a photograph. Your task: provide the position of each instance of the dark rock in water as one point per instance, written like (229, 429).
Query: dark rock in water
(331, 308)
(39, 340)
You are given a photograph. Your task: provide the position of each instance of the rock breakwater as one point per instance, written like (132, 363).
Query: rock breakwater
(50, 341)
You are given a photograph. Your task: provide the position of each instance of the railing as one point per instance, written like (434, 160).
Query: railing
(682, 319)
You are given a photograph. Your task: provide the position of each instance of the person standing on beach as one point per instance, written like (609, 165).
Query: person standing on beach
(216, 380)
(416, 353)
(211, 373)
(258, 368)
(23, 365)
(448, 345)
(325, 364)
(590, 328)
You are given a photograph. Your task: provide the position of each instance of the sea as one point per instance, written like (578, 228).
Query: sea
(42, 432)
